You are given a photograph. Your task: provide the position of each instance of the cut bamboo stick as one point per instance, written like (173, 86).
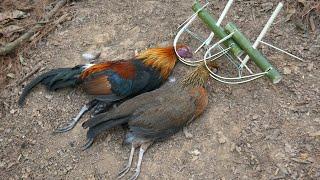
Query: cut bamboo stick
(212, 24)
(254, 54)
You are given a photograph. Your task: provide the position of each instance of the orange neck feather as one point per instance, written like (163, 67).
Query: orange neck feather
(162, 59)
(124, 68)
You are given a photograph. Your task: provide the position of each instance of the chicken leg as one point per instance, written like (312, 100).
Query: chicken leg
(72, 123)
(143, 149)
(128, 166)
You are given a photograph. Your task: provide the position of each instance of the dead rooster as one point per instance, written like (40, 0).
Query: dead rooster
(112, 81)
(154, 115)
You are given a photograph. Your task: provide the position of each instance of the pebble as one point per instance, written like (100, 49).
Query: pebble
(310, 66)
(12, 111)
(255, 116)
(286, 71)
(49, 97)
(7, 130)
(195, 152)
(232, 147)
(11, 75)
(238, 149)
(69, 168)
(187, 134)
(221, 138)
(2, 164)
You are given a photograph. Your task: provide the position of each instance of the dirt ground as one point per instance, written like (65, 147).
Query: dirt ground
(257, 130)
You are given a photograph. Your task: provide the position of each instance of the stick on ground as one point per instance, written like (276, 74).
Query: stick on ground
(10, 47)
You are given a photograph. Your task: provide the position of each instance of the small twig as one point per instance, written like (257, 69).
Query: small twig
(278, 177)
(300, 161)
(35, 70)
(49, 29)
(8, 48)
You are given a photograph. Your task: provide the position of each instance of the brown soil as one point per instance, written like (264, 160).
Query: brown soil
(256, 130)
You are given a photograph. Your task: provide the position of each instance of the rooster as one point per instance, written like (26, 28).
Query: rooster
(154, 115)
(111, 82)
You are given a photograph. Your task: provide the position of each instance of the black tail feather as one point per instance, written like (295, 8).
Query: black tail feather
(102, 127)
(105, 118)
(53, 80)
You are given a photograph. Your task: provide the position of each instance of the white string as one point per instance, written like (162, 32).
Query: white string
(191, 19)
(282, 51)
(264, 31)
(208, 56)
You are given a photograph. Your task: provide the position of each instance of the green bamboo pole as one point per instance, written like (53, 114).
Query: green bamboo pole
(254, 54)
(219, 31)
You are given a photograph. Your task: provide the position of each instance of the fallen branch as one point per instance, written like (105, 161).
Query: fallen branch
(40, 34)
(8, 48)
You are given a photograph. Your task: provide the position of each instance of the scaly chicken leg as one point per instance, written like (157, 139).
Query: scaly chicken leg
(143, 149)
(128, 166)
(72, 123)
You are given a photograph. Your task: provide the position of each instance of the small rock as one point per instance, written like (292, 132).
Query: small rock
(232, 147)
(7, 130)
(25, 176)
(295, 69)
(221, 138)
(310, 66)
(186, 133)
(194, 158)
(255, 116)
(266, 6)
(33, 142)
(287, 70)
(12, 111)
(11, 75)
(238, 149)
(49, 97)
(69, 168)
(195, 152)
(40, 123)
(2, 164)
